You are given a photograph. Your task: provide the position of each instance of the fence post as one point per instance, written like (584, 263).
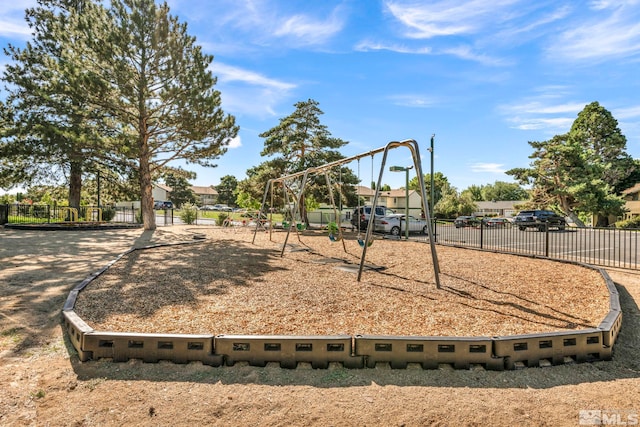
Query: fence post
(434, 230)
(546, 239)
(481, 234)
(4, 214)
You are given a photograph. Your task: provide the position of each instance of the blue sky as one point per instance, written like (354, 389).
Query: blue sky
(484, 76)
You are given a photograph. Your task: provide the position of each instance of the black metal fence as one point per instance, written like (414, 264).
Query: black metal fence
(607, 247)
(45, 214)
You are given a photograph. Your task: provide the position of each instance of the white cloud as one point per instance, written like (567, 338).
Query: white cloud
(14, 29)
(537, 107)
(467, 53)
(614, 32)
(546, 111)
(247, 92)
(445, 18)
(366, 46)
(414, 101)
(228, 73)
(487, 168)
(557, 124)
(235, 143)
(306, 30)
(12, 23)
(267, 23)
(626, 113)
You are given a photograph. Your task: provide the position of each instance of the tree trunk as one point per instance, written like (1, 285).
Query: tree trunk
(571, 214)
(303, 211)
(75, 184)
(146, 188)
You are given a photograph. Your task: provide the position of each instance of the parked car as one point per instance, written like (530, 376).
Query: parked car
(539, 219)
(466, 221)
(361, 215)
(222, 208)
(497, 222)
(162, 205)
(396, 224)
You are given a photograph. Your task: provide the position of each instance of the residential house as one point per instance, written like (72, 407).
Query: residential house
(632, 201)
(393, 199)
(207, 195)
(505, 208)
(160, 192)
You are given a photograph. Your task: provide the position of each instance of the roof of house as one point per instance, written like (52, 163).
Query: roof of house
(366, 191)
(397, 193)
(499, 204)
(634, 189)
(199, 190)
(361, 190)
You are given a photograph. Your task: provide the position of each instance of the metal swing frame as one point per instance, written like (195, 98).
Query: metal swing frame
(413, 147)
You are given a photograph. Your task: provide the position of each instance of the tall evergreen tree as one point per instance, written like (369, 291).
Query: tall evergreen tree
(55, 133)
(181, 191)
(596, 131)
(501, 190)
(227, 190)
(579, 172)
(300, 141)
(128, 81)
(155, 81)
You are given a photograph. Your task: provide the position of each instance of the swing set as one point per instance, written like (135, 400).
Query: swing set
(335, 235)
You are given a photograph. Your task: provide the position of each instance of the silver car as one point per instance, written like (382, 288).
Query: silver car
(395, 224)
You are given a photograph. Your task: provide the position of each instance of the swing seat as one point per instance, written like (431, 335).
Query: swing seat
(361, 242)
(301, 227)
(334, 238)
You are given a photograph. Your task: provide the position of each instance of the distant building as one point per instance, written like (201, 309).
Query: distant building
(207, 195)
(506, 208)
(160, 192)
(393, 199)
(632, 201)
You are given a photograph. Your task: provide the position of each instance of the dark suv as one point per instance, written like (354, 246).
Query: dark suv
(466, 221)
(361, 215)
(539, 219)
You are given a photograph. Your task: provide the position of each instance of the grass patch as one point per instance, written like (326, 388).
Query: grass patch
(9, 338)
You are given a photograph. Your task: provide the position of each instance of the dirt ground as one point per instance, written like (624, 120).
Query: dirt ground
(42, 383)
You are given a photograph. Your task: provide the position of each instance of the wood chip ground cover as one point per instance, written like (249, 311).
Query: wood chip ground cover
(228, 285)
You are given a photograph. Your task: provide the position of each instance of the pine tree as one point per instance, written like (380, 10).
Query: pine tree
(51, 131)
(155, 81)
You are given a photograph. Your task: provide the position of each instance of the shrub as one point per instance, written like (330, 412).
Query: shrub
(189, 213)
(108, 214)
(629, 223)
(221, 218)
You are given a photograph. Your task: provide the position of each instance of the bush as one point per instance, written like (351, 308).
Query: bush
(221, 218)
(629, 223)
(189, 213)
(108, 214)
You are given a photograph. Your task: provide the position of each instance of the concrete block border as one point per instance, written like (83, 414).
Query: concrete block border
(357, 351)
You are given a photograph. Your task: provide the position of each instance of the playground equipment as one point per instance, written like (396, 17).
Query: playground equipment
(90, 212)
(412, 145)
(72, 212)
